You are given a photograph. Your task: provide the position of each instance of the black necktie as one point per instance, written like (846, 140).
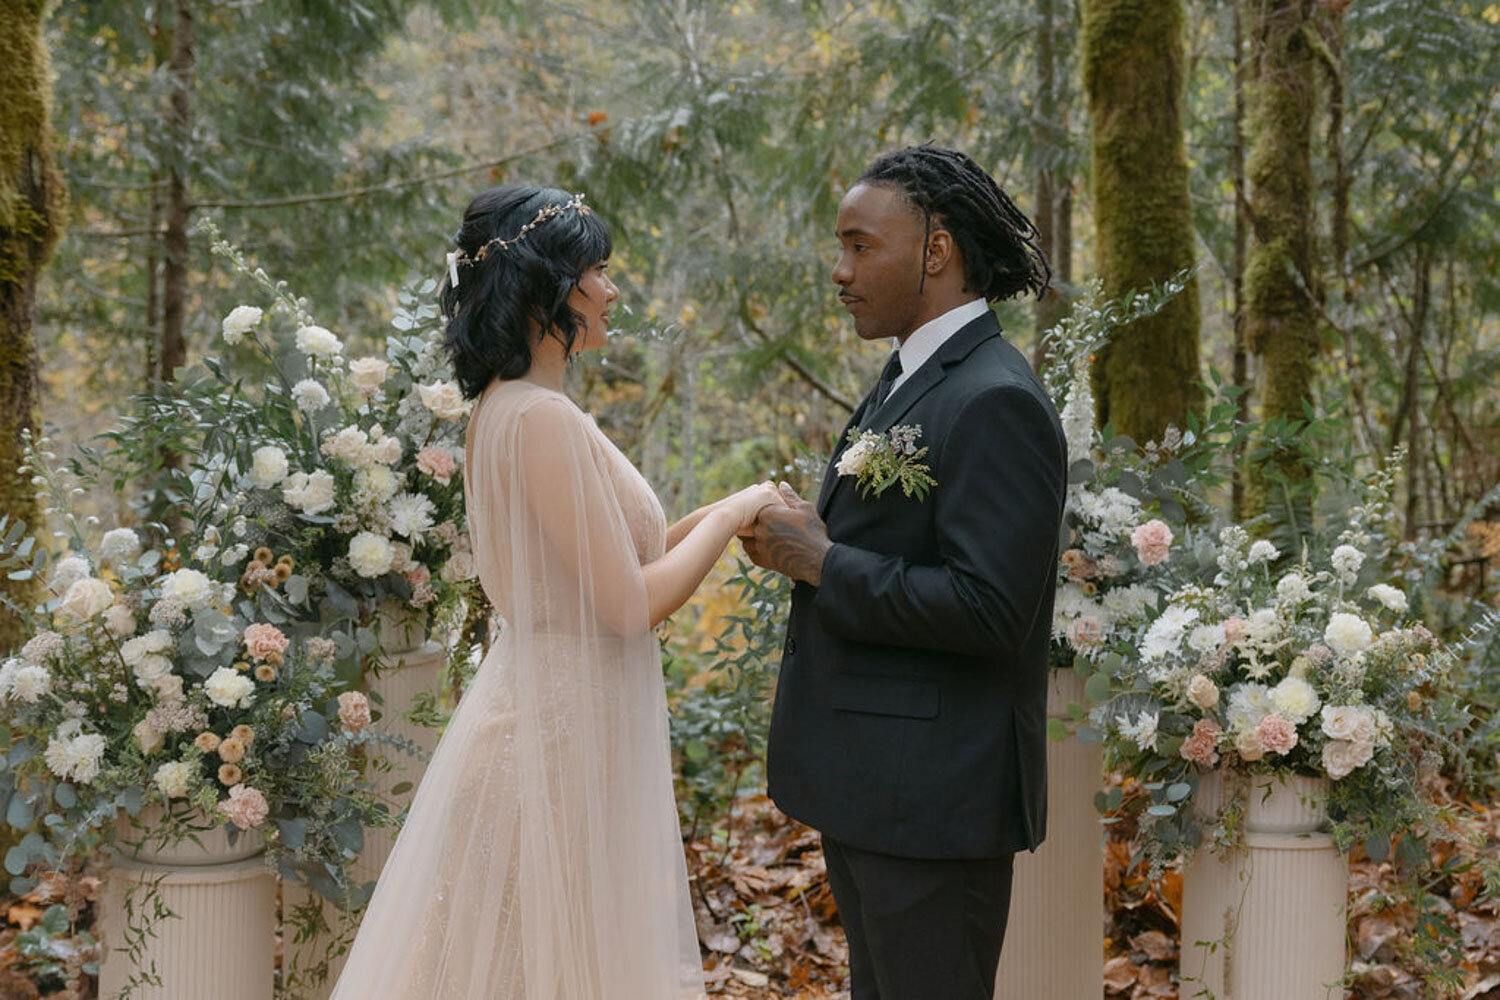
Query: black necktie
(888, 376)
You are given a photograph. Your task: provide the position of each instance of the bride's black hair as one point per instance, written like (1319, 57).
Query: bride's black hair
(518, 288)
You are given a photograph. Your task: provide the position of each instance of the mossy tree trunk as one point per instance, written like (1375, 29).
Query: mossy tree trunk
(32, 203)
(173, 353)
(1279, 282)
(1147, 376)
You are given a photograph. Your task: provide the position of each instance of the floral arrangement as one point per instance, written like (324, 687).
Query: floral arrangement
(350, 466)
(879, 461)
(147, 680)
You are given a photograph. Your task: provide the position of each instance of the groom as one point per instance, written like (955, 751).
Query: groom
(910, 718)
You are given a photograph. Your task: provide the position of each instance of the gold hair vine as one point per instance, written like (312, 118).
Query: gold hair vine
(457, 257)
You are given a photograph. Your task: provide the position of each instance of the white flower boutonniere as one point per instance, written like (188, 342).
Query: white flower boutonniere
(880, 461)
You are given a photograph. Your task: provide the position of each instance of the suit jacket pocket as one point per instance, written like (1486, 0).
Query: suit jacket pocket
(912, 699)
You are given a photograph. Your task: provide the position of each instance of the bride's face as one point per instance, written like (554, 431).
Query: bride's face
(592, 300)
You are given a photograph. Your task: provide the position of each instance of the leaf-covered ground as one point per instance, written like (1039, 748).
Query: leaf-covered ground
(769, 927)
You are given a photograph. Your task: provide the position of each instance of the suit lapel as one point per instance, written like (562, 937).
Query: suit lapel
(906, 395)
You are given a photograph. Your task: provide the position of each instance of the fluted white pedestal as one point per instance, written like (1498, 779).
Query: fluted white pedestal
(419, 670)
(1054, 943)
(1266, 919)
(220, 944)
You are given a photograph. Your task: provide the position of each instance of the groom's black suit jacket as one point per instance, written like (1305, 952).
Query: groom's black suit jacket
(910, 714)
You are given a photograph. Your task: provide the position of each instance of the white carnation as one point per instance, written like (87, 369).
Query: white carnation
(377, 482)
(118, 545)
(444, 400)
(190, 587)
(175, 779)
(309, 395)
(1347, 634)
(370, 554)
(311, 493)
(411, 514)
(268, 467)
(29, 683)
(228, 688)
(1261, 551)
(86, 598)
(1293, 589)
(1295, 699)
(68, 571)
(1389, 597)
(240, 321)
(317, 342)
(1347, 560)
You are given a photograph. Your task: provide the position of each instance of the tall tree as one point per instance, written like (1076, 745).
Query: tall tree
(1280, 311)
(1147, 376)
(32, 200)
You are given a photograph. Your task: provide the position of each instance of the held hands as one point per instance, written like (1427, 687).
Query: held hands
(747, 504)
(790, 538)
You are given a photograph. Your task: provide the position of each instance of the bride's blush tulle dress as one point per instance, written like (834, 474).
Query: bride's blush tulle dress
(541, 859)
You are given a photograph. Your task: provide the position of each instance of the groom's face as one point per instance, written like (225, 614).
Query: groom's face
(879, 269)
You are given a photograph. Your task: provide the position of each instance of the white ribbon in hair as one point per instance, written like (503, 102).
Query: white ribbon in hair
(453, 268)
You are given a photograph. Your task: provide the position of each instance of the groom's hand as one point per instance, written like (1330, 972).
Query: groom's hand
(792, 540)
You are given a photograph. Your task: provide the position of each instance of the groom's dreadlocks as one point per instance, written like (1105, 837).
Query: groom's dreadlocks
(996, 239)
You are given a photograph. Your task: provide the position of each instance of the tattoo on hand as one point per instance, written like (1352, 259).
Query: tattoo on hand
(793, 543)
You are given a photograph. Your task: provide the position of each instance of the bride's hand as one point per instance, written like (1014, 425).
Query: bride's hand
(749, 502)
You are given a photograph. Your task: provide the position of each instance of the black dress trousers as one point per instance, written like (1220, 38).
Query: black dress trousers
(920, 929)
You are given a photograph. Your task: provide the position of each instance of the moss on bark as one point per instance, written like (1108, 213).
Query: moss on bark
(1279, 281)
(1147, 376)
(32, 204)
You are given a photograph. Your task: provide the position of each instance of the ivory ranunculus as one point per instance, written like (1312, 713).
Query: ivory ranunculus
(1295, 699)
(1347, 633)
(1389, 597)
(190, 587)
(174, 779)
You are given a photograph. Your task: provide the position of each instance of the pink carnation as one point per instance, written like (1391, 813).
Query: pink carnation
(354, 711)
(1199, 747)
(1151, 541)
(437, 463)
(263, 641)
(1277, 733)
(246, 807)
(1085, 632)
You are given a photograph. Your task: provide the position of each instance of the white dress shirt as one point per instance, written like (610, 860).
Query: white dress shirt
(924, 341)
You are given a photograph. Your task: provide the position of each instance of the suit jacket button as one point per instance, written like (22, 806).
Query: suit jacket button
(791, 646)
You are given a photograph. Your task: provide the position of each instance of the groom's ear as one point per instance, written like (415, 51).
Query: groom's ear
(942, 251)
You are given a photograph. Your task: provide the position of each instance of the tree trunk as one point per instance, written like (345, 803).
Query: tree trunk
(1240, 375)
(1051, 307)
(1280, 314)
(1147, 376)
(32, 205)
(175, 243)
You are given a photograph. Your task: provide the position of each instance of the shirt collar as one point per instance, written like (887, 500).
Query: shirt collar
(927, 338)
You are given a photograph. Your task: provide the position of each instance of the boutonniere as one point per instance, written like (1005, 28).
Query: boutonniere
(879, 461)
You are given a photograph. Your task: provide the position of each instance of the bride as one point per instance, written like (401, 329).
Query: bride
(541, 859)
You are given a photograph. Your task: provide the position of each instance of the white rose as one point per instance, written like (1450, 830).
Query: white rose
(148, 736)
(1295, 699)
(118, 545)
(229, 688)
(240, 321)
(1347, 633)
(1355, 723)
(119, 621)
(268, 467)
(1247, 743)
(168, 687)
(367, 374)
(370, 554)
(174, 779)
(856, 457)
(309, 395)
(87, 598)
(350, 445)
(317, 342)
(460, 566)
(29, 683)
(1340, 757)
(190, 587)
(134, 651)
(1202, 691)
(310, 493)
(1389, 597)
(235, 554)
(68, 571)
(1261, 551)
(386, 451)
(150, 669)
(444, 400)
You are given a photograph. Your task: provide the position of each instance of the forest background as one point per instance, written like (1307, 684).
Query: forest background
(1326, 166)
